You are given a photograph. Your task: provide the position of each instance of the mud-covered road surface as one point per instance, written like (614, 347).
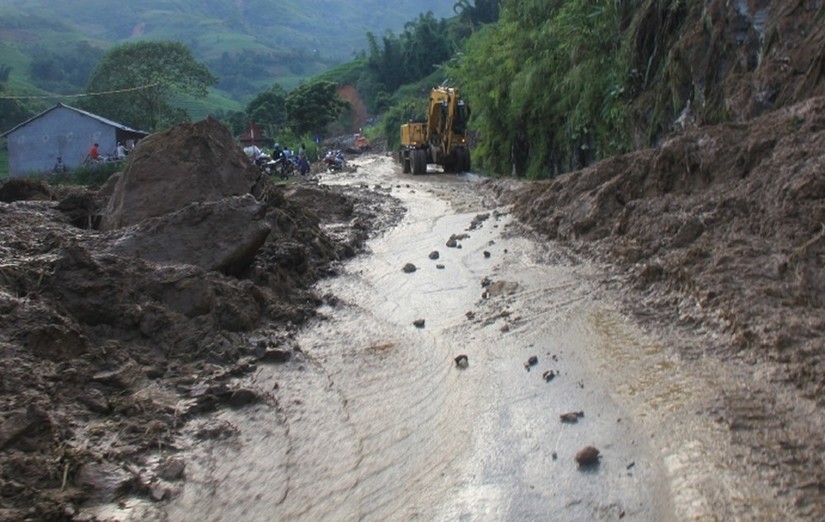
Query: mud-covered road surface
(374, 420)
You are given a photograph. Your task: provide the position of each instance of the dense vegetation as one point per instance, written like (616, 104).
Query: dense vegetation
(553, 85)
(547, 85)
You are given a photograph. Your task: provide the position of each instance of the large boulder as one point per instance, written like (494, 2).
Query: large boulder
(222, 235)
(189, 163)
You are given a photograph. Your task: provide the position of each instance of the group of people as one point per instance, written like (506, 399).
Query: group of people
(121, 151)
(279, 155)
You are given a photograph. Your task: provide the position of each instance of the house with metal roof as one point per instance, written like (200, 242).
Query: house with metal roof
(63, 135)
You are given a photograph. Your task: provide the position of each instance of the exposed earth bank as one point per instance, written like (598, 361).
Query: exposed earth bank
(720, 233)
(116, 342)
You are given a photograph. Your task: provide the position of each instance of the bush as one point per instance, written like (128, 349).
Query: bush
(86, 176)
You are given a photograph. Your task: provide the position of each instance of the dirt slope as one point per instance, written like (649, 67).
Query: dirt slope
(720, 232)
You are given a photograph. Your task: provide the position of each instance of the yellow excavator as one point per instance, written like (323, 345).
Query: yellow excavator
(441, 139)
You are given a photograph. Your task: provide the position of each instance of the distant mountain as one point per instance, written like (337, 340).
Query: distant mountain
(249, 44)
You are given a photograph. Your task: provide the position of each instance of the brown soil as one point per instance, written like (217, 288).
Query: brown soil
(107, 355)
(107, 351)
(720, 232)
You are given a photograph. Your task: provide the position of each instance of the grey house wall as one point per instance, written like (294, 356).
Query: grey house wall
(62, 132)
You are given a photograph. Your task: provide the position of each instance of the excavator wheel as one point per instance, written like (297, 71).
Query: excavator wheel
(405, 162)
(419, 161)
(462, 160)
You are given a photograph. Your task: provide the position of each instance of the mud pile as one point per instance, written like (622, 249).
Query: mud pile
(113, 341)
(729, 219)
(717, 238)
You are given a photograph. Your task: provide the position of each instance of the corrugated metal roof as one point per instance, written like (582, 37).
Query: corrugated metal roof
(85, 113)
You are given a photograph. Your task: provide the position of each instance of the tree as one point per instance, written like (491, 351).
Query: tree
(551, 97)
(313, 106)
(268, 109)
(141, 79)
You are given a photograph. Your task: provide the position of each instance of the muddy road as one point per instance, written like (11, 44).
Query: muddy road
(374, 420)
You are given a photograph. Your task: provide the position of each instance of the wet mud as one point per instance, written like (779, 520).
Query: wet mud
(374, 419)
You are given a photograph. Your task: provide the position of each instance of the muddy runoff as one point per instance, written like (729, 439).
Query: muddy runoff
(373, 418)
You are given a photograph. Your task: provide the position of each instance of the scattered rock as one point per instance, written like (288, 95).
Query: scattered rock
(215, 429)
(505, 327)
(242, 397)
(439, 266)
(409, 268)
(548, 375)
(274, 355)
(587, 456)
(532, 360)
(462, 361)
(478, 220)
(470, 315)
(454, 239)
(554, 455)
(487, 254)
(434, 254)
(171, 468)
(571, 416)
(104, 479)
(419, 323)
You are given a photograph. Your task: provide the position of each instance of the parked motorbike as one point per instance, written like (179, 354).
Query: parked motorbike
(334, 160)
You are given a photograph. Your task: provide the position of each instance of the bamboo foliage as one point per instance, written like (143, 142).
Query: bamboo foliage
(547, 85)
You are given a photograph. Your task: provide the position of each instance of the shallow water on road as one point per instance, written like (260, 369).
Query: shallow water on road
(374, 421)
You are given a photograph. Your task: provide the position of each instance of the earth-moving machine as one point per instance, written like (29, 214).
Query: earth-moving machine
(441, 139)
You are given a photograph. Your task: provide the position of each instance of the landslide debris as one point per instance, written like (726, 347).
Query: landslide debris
(128, 311)
(729, 217)
(720, 233)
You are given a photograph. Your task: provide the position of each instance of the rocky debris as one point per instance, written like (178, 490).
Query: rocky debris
(728, 217)
(171, 468)
(549, 375)
(487, 254)
(434, 255)
(106, 481)
(188, 163)
(588, 456)
(462, 361)
(409, 268)
(418, 323)
(478, 221)
(440, 266)
(571, 416)
(502, 288)
(215, 429)
(267, 354)
(531, 361)
(453, 242)
(470, 315)
(222, 236)
(140, 342)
